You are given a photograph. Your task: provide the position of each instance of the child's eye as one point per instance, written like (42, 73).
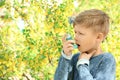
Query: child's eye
(80, 33)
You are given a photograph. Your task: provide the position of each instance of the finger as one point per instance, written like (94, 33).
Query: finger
(69, 45)
(70, 48)
(64, 38)
(70, 41)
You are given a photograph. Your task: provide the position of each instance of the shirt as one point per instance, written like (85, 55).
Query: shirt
(101, 67)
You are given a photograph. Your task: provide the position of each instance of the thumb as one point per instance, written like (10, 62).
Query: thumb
(64, 38)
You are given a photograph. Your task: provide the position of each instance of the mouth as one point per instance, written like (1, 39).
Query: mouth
(78, 45)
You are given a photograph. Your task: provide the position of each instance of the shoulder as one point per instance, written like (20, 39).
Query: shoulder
(108, 58)
(107, 64)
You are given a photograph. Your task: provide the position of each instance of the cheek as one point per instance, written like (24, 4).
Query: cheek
(90, 43)
(93, 44)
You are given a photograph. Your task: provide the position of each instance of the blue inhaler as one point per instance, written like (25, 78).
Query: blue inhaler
(69, 37)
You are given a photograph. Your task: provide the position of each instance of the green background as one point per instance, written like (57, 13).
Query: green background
(31, 32)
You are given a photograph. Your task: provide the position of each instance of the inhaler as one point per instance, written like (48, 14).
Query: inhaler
(69, 37)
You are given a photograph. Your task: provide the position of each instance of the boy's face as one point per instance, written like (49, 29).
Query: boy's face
(85, 38)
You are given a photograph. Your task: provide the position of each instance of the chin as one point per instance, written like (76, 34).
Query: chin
(82, 50)
(87, 50)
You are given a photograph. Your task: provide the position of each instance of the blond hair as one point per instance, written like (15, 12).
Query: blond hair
(96, 19)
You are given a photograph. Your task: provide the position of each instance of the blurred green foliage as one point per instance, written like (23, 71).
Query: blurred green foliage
(30, 37)
(31, 31)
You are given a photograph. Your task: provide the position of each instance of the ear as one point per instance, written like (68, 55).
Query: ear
(100, 37)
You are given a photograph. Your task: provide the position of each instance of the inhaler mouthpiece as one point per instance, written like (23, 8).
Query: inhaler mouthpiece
(69, 37)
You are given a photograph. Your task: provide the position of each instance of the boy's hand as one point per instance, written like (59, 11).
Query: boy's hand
(87, 56)
(67, 45)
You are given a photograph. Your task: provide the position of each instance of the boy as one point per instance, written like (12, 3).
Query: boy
(91, 28)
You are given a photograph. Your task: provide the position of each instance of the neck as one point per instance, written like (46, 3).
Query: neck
(99, 51)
